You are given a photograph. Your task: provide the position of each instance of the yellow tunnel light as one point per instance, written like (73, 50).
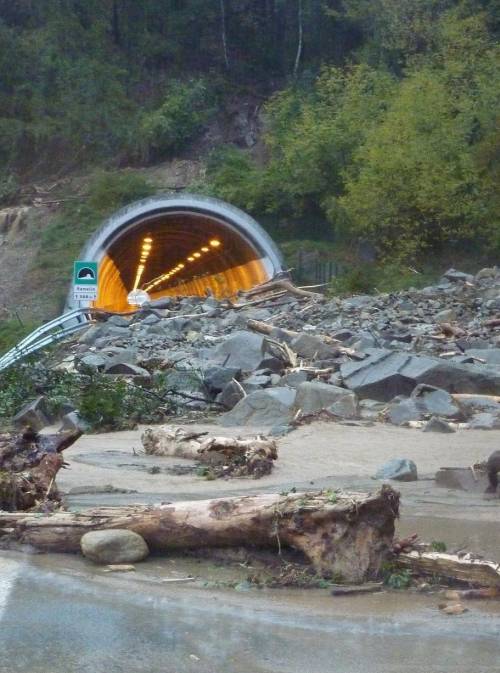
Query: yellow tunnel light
(205, 249)
(190, 259)
(215, 243)
(196, 254)
(148, 239)
(181, 266)
(146, 247)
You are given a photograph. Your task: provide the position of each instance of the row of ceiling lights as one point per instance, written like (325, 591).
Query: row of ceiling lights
(211, 247)
(147, 245)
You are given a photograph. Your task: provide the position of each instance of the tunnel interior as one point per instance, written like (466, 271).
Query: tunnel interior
(179, 246)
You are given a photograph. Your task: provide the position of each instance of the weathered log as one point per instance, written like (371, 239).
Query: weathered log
(281, 284)
(347, 534)
(29, 463)
(253, 456)
(453, 567)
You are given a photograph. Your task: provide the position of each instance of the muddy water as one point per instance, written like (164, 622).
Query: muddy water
(62, 615)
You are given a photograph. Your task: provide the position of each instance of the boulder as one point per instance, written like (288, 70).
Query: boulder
(294, 379)
(314, 395)
(436, 424)
(216, 378)
(33, 415)
(127, 370)
(399, 469)
(386, 374)
(404, 411)
(435, 401)
(93, 361)
(484, 421)
(345, 407)
(313, 347)
(242, 350)
(230, 395)
(269, 407)
(114, 546)
(73, 421)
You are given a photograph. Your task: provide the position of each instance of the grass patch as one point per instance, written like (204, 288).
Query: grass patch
(12, 331)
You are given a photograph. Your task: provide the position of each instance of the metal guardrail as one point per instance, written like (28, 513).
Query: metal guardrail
(49, 333)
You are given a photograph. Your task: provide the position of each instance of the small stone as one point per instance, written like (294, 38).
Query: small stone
(119, 568)
(453, 609)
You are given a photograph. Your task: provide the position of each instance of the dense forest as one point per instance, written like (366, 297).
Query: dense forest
(381, 117)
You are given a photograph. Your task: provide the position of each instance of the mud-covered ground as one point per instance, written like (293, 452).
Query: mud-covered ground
(222, 613)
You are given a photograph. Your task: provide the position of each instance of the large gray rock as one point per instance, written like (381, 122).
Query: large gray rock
(33, 414)
(93, 361)
(490, 355)
(231, 395)
(399, 469)
(387, 374)
(436, 424)
(345, 407)
(127, 370)
(404, 411)
(294, 379)
(216, 378)
(435, 401)
(314, 395)
(114, 546)
(313, 347)
(269, 407)
(242, 350)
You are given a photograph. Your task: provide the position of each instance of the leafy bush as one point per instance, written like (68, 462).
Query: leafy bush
(9, 188)
(369, 279)
(186, 108)
(395, 577)
(104, 402)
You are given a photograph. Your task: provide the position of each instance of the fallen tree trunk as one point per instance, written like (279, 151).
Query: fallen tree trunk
(453, 567)
(29, 463)
(253, 456)
(343, 534)
(281, 284)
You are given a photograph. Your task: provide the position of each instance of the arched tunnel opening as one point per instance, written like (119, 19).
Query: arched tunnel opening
(178, 245)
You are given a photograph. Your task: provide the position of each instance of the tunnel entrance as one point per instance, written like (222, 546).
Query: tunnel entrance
(178, 245)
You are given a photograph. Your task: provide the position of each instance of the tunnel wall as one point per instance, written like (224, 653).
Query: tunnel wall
(133, 216)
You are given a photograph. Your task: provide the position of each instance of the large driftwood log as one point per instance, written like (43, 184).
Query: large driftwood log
(453, 567)
(253, 456)
(29, 463)
(347, 534)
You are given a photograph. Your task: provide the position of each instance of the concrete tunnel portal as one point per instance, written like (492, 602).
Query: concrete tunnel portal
(178, 245)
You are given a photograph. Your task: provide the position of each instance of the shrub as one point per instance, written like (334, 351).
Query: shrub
(168, 128)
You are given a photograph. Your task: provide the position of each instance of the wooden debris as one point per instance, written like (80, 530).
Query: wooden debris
(452, 566)
(29, 463)
(347, 533)
(253, 456)
(354, 589)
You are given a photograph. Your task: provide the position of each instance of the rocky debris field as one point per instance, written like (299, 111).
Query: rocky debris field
(425, 358)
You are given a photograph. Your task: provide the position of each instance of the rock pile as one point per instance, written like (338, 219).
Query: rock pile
(407, 358)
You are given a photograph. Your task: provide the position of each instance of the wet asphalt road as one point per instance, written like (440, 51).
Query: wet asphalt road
(58, 614)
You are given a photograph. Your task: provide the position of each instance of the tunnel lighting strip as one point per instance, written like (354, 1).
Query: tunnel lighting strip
(147, 245)
(212, 246)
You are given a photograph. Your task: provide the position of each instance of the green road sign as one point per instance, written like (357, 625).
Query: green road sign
(85, 281)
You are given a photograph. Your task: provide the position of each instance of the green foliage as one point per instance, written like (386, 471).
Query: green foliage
(9, 188)
(186, 107)
(438, 546)
(371, 278)
(395, 577)
(12, 331)
(65, 235)
(105, 403)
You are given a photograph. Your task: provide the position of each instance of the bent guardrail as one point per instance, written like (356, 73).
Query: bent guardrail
(49, 333)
